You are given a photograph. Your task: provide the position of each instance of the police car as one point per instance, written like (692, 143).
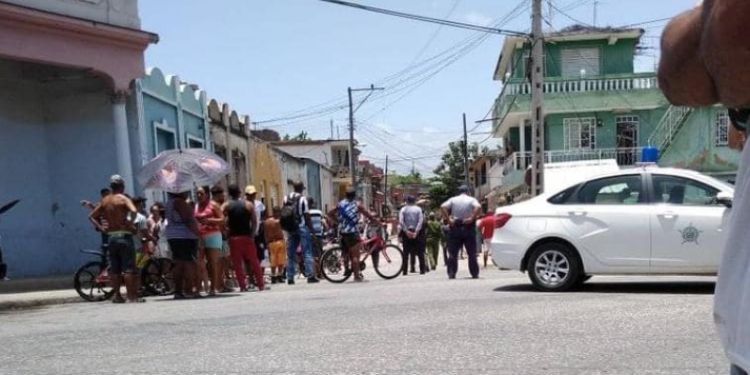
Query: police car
(649, 220)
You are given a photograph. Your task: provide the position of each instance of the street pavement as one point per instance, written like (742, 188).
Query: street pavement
(411, 325)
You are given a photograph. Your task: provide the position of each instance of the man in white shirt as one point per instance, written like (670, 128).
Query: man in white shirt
(461, 213)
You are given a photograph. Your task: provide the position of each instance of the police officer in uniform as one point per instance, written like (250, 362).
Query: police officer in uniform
(461, 213)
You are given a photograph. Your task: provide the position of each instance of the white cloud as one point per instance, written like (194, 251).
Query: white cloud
(477, 18)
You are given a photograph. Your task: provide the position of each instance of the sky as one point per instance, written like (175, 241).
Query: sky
(294, 59)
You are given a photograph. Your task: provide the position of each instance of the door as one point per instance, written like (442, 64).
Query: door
(627, 139)
(609, 220)
(688, 226)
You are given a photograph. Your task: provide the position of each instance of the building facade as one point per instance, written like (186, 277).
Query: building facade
(333, 154)
(266, 172)
(67, 69)
(167, 114)
(597, 107)
(230, 137)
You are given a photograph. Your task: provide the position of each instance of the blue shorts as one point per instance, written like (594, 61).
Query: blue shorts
(213, 241)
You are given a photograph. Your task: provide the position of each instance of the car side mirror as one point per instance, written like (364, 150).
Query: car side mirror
(725, 198)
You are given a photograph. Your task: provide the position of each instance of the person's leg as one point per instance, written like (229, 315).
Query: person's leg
(470, 242)
(444, 245)
(354, 252)
(115, 270)
(254, 263)
(420, 256)
(291, 256)
(201, 276)
(178, 270)
(454, 245)
(214, 262)
(434, 248)
(236, 250)
(486, 251)
(191, 267)
(307, 252)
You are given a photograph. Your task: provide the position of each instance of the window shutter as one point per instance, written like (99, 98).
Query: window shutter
(575, 59)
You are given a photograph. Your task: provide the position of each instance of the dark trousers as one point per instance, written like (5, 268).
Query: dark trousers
(415, 249)
(458, 237)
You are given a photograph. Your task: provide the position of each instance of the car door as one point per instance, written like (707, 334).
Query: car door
(609, 220)
(688, 225)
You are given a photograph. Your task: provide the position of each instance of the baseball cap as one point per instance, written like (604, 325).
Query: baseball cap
(250, 189)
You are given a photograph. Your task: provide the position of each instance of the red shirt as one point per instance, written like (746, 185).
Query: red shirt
(487, 226)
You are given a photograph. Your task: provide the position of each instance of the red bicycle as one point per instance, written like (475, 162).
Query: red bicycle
(386, 259)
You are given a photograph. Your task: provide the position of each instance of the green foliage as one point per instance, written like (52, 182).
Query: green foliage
(302, 136)
(450, 172)
(413, 178)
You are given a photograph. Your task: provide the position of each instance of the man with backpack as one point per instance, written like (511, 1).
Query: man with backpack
(295, 220)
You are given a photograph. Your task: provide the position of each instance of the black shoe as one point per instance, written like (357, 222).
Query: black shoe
(475, 277)
(451, 277)
(290, 282)
(273, 279)
(312, 280)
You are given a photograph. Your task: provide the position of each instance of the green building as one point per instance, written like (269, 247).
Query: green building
(597, 107)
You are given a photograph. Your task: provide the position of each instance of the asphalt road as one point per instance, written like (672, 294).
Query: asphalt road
(410, 325)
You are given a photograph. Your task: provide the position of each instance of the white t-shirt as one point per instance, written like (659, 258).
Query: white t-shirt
(141, 224)
(302, 207)
(259, 208)
(732, 296)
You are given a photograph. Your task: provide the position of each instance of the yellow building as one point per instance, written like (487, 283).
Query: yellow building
(266, 172)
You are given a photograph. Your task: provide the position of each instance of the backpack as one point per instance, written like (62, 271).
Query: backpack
(290, 218)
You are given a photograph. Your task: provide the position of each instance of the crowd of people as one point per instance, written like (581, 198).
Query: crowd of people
(219, 238)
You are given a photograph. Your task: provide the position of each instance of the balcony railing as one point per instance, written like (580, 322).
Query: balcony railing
(623, 156)
(573, 85)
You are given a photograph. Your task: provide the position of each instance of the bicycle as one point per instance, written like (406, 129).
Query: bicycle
(156, 276)
(91, 280)
(334, 263)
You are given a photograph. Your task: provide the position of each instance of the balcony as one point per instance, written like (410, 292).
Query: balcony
(624, 157)
(552, 85)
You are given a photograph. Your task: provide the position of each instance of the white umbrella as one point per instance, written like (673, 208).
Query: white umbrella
(175, 171)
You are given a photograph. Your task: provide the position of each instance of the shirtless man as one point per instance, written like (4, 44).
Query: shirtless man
(120, 214)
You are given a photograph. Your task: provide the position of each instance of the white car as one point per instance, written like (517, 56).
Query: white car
(636, 221)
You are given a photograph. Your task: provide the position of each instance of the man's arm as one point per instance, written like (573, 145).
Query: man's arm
(366, 212)
(94, 218)
(332, 215)
(421, 222)
(444, 210)
(474, 212)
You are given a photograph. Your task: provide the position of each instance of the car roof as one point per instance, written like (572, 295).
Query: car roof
(651, 168)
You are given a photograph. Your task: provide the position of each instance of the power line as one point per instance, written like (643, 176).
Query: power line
(436, 32)
(647, 22)
(568, 16)
(486, 29)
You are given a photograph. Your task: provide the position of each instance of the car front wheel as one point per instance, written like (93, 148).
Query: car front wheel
(554, 267)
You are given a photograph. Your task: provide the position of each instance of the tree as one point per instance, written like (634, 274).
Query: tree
(302, 136)
(413, 178)
(450, 172)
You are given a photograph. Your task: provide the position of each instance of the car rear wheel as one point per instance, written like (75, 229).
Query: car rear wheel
(554, 267)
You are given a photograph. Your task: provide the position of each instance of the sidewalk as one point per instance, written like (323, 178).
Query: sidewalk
(36, 292)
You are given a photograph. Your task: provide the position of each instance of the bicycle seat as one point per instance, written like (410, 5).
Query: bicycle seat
(92, 252)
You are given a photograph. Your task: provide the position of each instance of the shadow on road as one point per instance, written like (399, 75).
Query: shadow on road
(205, 298)
(664, 287)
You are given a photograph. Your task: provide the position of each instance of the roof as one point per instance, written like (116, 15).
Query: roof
(568, 34)
(310, 142)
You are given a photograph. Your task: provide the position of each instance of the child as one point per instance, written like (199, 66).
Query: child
(276, 246)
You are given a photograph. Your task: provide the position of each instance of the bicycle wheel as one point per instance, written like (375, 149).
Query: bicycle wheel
(89, 285)
(333, 265)
(388, 261)
(156, 276)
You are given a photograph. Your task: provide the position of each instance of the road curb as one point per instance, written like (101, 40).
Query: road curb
(35, 303)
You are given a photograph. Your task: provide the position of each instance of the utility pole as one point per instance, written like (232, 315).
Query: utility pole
(331, 128)
(596, 5)
(466, 154)
(537, 100)
(352, 159)
(385, 186)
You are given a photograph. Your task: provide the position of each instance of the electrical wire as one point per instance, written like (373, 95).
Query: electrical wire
(463, 25)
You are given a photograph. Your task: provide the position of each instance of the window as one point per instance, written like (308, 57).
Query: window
(579, 60)
(564, 196)
(579, 133)
(483, 174)
(683, 191)
(164, 137)
(721, 136)
(193, 142)
(620, 190)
